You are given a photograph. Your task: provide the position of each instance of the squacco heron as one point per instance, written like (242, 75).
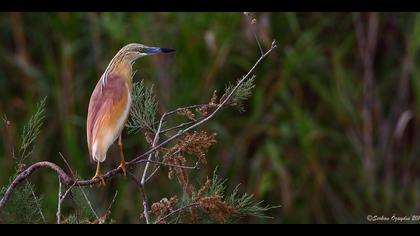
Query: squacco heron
(110, 103)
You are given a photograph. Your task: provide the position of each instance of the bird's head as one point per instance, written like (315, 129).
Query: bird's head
(134, 51)
(127, 55)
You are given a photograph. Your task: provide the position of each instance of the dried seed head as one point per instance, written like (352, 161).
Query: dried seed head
(162, 208)
(213, 100)
(217, 208)
(203, 110)
(21, 167)
(149, 137)
(186, 112)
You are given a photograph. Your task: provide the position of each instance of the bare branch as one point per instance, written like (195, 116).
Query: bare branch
(67, 164)
(252, 21)
(108, 211)
(176, 211)
(183, 108)
(58, 214)
(61, 198)
(90, 204)
(143, 194)
(36, 201)
(170, 165)
(155, 140)
(112, 201)
(141, 183)
(153, 173)
(81, 189)
(177, 127)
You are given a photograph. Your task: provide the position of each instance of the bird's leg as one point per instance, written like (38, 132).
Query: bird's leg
(98, 174)
(122, 165)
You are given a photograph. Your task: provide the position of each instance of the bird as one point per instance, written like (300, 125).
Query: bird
(110, 103)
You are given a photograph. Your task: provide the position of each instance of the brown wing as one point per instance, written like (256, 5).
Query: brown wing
(106, 108)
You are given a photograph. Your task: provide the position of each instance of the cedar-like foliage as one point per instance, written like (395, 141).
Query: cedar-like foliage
(143, 109)
(209, 204)
(241, 94)
(24, 206)
(31, 131)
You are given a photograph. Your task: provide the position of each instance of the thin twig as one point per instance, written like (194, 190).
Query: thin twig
(155, 140)
(108, 211)
(177, 127)
(144, 197)
(58, 214)
(69, 189)
(113, 200)
(36, 201)
(176, 211)
(90, 204)
(253, 22)
(61, 198)
(170, 165)
(153, 173)
(183, 108)
(143, 178)
(67, 164)
(75, 206)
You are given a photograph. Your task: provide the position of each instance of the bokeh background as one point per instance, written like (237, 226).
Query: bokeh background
(331, 132)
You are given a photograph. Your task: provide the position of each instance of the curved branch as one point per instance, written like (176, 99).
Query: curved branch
(26, 173)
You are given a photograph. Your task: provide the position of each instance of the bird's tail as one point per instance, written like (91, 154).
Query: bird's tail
(97, 155)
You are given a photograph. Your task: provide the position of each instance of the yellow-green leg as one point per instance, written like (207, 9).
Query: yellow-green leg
(98, 174)
(122, 164)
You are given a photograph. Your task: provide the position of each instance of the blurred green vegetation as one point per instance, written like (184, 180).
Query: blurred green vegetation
(303, 142)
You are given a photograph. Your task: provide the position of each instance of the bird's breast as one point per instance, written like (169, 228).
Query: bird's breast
(122, 120)
(107, 114)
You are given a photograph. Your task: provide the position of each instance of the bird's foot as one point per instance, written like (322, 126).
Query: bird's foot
(123, 168)
(99, 176)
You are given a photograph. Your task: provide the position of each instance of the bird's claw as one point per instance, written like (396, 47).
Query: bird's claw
(102, 182)
(123, 168)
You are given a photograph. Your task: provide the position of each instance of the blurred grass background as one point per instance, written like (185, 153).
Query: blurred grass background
(331, 132)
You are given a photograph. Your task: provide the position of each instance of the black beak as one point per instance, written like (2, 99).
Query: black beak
(167, 50)
(154, 50)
